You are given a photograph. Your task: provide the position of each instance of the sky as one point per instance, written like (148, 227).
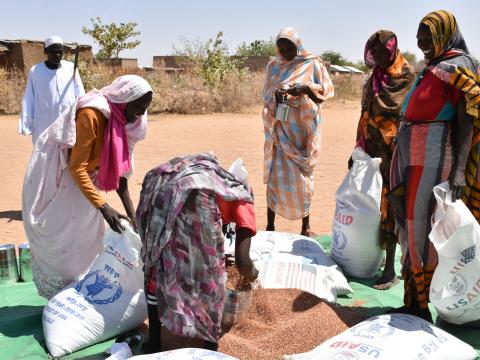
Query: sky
(342, 26)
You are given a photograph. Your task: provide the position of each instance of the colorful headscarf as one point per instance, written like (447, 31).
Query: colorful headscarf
(389, 40)
(119, 137)
(445, 32)
(452, 62)
(386, 89)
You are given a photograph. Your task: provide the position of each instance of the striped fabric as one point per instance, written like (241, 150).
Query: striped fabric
(471, 194)
(291, 146)
(422, 159)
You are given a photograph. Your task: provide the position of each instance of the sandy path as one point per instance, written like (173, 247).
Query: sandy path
(228, 135)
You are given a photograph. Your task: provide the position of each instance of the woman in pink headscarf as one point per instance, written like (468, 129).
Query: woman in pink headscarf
(85, 150)
(383, 95)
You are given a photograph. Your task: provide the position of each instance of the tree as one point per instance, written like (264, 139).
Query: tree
(410, 57)
(334, 58)
(112, 38)
(258, 48)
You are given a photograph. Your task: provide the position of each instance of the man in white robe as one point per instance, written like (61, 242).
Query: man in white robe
(51, 89)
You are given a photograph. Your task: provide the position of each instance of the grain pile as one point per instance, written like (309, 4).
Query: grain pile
(285, 321)
(235, 281)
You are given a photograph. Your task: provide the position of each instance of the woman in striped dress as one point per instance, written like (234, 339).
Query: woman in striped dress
(433, 144)
(299, 79)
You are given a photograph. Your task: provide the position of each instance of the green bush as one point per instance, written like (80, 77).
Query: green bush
(210, 60)
(258, 48)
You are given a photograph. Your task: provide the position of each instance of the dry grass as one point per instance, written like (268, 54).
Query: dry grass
(348, 87)
(185, 93)
(181, 93)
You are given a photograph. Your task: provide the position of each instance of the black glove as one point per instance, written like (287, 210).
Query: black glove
(113, 217)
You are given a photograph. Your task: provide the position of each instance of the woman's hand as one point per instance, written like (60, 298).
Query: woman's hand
(461, 140)
(248, 271)
(298, 89)
(456, 181)
(280, 95)
(113, 217)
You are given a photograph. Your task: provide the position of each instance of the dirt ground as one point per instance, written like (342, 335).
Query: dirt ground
(229, 136)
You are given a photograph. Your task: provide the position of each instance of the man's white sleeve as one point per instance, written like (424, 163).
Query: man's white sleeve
(25, 123)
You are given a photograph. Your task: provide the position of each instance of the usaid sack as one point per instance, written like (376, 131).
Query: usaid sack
(356, 224)
(455, 287)
(292, 261)
(391, 337)
(185, 354)
(108, 301)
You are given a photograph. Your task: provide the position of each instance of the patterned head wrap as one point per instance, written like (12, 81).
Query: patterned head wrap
(388, 40)
(445, 32)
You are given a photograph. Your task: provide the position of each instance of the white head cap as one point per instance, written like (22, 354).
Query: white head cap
(53, 40)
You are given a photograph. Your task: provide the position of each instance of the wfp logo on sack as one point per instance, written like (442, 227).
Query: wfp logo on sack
(99, 288)
(373, 329)
(339, 240)
(457, 286)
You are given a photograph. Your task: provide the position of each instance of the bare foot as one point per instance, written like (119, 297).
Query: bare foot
(386, 282)
(308, 233)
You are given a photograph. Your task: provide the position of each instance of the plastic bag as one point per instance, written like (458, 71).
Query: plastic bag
(238, 170)
(455, 287)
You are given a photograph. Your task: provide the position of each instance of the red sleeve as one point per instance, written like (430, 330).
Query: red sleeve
(224, 208)
(243, 214)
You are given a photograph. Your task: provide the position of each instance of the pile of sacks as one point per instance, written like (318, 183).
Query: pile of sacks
(385, 337)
